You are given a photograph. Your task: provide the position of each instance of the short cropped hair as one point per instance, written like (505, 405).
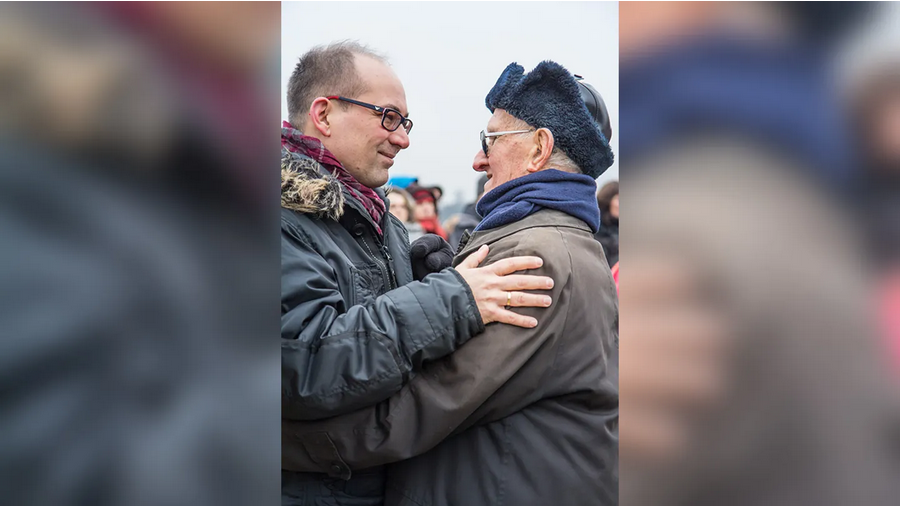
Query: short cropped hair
(326, 70)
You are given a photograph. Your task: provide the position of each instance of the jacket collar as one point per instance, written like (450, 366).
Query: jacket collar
(543, 218)
(308, 188)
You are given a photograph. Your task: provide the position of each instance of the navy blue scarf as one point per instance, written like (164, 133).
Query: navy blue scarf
(573, 194)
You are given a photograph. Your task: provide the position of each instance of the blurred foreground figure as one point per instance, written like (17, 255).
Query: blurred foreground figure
(751, 374)
(136, 282)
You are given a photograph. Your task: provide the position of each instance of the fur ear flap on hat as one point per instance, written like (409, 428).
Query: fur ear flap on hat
(548, 97)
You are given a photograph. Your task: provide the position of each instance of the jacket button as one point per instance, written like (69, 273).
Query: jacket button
(358, 230)
(339, 470)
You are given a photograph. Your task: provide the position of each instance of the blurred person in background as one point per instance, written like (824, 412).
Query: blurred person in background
(400, 205)
(362, 310)
(519, 416)
(466, 221)
(426, 213)
(750, 370)
(404, 208)
(608, 235)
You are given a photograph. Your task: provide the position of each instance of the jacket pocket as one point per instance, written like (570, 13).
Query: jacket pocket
(355, 283)
(367, 284)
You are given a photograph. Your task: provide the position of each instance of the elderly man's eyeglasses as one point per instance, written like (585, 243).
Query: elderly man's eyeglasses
(391, 119)
(484, 137)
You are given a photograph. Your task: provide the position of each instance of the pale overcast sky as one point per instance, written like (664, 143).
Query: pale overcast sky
(448, 56)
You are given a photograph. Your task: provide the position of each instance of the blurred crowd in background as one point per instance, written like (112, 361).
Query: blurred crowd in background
(760, 280)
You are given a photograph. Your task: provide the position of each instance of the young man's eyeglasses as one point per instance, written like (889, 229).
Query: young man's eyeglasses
(391, 119)
(484, 137)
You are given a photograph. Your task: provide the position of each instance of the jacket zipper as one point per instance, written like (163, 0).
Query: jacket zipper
(390, 266)
(386, 268)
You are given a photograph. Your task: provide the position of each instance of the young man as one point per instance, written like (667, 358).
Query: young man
(355, 326)
(518, 416)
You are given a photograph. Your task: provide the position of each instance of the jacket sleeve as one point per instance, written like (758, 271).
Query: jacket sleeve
(480, 382)
(336, 359)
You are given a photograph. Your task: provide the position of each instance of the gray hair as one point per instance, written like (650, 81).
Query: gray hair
(326, 70)
(558, 159)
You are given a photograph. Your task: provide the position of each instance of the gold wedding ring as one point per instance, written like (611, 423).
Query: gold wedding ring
(508, 299)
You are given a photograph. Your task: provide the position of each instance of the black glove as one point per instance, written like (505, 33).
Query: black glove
(429, 253)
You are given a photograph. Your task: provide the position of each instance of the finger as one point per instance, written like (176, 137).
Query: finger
(505, 316)
(510, 265)
(472, 261)
(520, 299)
(437, 261)
(524, 282)
(421, 248)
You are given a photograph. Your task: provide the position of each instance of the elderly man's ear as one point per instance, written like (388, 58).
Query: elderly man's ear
(541, 150)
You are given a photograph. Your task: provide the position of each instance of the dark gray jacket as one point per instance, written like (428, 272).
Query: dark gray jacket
(523, 417)
(354, 324)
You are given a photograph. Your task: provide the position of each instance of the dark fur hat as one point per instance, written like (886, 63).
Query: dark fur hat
(548, 97)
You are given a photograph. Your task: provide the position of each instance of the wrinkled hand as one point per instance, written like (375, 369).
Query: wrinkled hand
(429, 253)
(491, 284)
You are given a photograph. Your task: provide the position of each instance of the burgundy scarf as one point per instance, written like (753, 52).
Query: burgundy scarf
(295, 142)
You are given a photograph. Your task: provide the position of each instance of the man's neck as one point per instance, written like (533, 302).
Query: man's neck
(310, 131)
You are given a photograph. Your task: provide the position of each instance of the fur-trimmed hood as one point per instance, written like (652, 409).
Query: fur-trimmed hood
(305, 189)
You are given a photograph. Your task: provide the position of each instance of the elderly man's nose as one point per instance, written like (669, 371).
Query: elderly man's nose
(481, 161)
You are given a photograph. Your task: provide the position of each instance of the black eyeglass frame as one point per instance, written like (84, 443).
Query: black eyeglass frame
(404, 121)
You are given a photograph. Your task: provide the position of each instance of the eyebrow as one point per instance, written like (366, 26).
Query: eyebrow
(394, 107)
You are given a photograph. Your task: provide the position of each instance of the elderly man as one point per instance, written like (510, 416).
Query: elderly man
(354, 324)
(517, 416)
